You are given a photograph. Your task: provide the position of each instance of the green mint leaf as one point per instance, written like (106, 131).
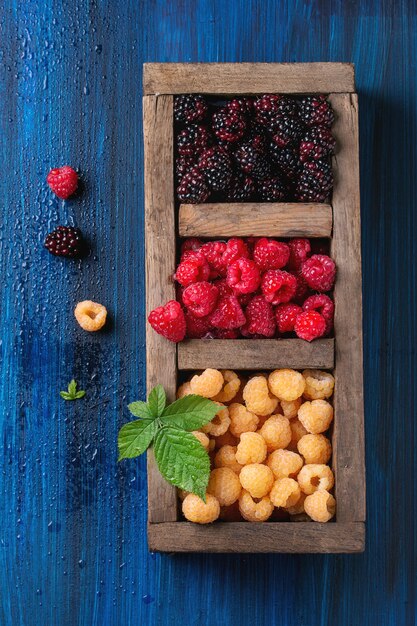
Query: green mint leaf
(157, 400)
(140, 409)
(135, 437)
(72, 387)
(79, 394)
(65, 395)
(182, 460)
(190, 413)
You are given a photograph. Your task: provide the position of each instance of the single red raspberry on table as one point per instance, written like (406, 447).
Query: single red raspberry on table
(278, 286)
(235, 249)
(63, 181)
(192, 269)
(228, 314)
(213, 251)
(191, 244)
(200, 298)
(286, 315)
(269, 254)
(323, 305)
(319, 272)
(243, 276)
(299, 252)
(169, 321)
(260, 318)
(310, 325)
(197, 327)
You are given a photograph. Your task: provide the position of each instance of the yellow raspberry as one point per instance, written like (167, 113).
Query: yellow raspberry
(208, 384)
(219, 424)
(315, 448)
(203, 439)
(226, 457)
(277, 432)
(230, 513)
(286, 384)
(316, 416)
(230, 388)
(224, 485)
(241, 419)
(319, 385)
(227, 439)
(315, 477)
(184, 390)
(251, 449)
(320, 506)
(212, 444)
(195, 510)
(297, 431)
(290, 409)
(257, 397)
(284, 463)
(285, 492)
(257, 479)
(253, 511)
(91, 316)
(298, 507)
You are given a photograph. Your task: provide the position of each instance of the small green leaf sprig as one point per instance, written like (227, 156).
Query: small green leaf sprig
(72, 393)
(181, 458)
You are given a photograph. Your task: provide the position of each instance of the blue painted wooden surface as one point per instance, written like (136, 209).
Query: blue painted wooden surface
(72, 531)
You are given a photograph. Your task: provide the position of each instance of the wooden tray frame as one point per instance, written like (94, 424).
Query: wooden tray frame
(340, 221)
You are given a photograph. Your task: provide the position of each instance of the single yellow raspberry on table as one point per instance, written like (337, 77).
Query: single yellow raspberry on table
(298, 507)
(203, 439)
(315, 448)
(226, 457)
(253, 511)
(315, 477)
(199, 512)
(208, 384)
(285, 492)
(224, 485)
(316, 416)
(285, 463)
(219, 424)
(241, 419)
(257, 396)
(286, 384)
(231, 385)
(320, 506)
(257, 479)
(297, 431)
(184, 390)
(290, 409)
(251, 449)
(91, 316)
(227, 439)
(277, 432)
(319, 385)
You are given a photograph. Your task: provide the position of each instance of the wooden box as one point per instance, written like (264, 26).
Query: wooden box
(339, 221)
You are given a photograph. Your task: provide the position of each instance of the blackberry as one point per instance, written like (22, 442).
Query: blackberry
(317, 143)
(65, 241)
(272, 189)
(268, 107)
(216, 166)
(192, 140)
(315, 182)
(228, 125)
(193, 187)
(286, 130)
(316, 110)
(252, 160)
(182, 165)
(286, 159)
(243, 106)
(241, 189)
(189, 108)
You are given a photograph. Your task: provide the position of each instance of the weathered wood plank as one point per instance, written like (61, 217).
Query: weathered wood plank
(249, 78)
(235, 537)
(255, 218)
(250, 354)
(348, 435)
(160, 265)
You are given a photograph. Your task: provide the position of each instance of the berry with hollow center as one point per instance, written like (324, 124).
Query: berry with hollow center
(315, 182)
(199, 512)
(285, 463)
(286, 384)
(169, 321)
(270, 254)
(91, 316)
(63, 181)
(257, 479)
(260, 320)
(323, 305)
(202, 438)
(193, 140)
(224, 484)
(251, 449)
(194, 268)
(286, 315)
(236, 248)
(208, 384)
(277, 432)
(315, 448)
(219, 424)
(315, 477)
(228, 125)
(315, 111)
(257, 397)
(243, 276)
(193, 187)
(300, 250)
(319, 385)
(320, 506)
(319, 272)
(65, 241)
(273, 189)
(228, 314)
(200, 298)
(226, 457)
(316, 416)
(278, 286)
(241, 419)
(254, 510)
(189, 108)
(310, 325)
(285, 492)
(318, 143)
(231, 386)
(216, 166)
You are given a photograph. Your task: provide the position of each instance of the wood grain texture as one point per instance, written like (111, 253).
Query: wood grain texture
(160, 265)
(282, 537)
(250, 354)
(348, 433)
(220, 78)
(260, 219)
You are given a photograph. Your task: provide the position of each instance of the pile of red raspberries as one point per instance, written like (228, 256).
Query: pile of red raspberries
(252, 288)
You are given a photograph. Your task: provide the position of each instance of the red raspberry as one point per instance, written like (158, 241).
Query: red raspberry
(228, 314)
(310, 325)
(235, 249)
(319, 272)
(213, 251)
(269, 254)
(192, 269)
(302, 292)
(299, 251)
(200, 298)
(63, 181)
(197, 327)
(225, 334)
(243, 276)
(278, 286)
(285, 315)
(169, 321)
(191, 244)
(223, 287)
(259, 318)
(323, 305)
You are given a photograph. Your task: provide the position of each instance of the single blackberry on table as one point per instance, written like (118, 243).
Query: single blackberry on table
(286, 130)
(315, 182)
(228, 125)
(286, 158)
(317, 143)
(192, 140)
(241, 188)
(65, 241)
(316, 110)
(241, 105)
(182, 165)
(252, 160)
(189, 108)
(272, 189)
(216, 165)
(269, 106)
(193, 187)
